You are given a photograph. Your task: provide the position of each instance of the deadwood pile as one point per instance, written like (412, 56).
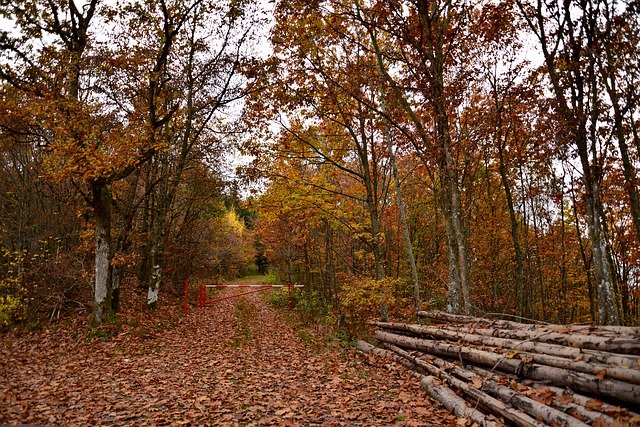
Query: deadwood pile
(496, 372)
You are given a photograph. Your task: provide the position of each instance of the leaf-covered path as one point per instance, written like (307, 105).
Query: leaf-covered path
(233, 363)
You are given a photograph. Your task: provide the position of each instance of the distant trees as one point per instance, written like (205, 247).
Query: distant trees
(127, 104)
(512, 170)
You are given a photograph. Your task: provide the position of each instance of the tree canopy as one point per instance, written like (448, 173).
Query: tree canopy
(478, 157)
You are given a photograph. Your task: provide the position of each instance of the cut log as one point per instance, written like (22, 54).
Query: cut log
(576, 354)
(586, 402)
(442, 317)
(607, 409)
(456, 405)
(495, 406)
(434, 388)
(538, 409)
(625, 345)
(580, 381)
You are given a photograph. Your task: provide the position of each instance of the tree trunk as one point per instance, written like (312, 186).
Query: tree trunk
(434, 26)
(515, 237)
(576, 76)
(399, 199)
(448, 170)
(583, 255)
(156, 244)
(101, 204)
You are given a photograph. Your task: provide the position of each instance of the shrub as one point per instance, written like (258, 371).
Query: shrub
(362, 299)
(11, 289)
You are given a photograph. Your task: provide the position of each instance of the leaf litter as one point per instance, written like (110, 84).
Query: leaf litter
(198, 370)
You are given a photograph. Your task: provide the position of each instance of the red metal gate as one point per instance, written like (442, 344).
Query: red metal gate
(202, 292)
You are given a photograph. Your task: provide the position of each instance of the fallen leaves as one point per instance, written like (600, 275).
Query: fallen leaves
(196, 370)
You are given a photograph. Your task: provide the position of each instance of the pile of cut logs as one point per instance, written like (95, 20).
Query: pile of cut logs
(495, 372)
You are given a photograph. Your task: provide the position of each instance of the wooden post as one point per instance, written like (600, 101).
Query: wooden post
(289, 286)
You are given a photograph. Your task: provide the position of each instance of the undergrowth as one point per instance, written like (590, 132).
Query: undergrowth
(312, 318)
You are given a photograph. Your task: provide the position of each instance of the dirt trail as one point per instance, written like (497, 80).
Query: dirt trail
(232, 363)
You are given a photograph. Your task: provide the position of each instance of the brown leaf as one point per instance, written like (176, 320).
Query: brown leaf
(593, 405)
(477, 383)
(526, 358)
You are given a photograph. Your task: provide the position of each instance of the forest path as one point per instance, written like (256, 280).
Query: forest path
(236, 362)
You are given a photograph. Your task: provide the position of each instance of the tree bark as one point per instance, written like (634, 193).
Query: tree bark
(580, 381)
(608, 330)
(101, 204)
(468, 336)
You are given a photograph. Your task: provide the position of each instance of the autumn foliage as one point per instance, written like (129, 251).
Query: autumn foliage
(514, 131)
(115, 122)
(482, 155)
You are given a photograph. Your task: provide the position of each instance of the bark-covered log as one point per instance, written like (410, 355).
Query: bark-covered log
(602, 407)
(442, 317)
(538, 409)
(537, 355)
(452, 402)
(624, 345)
(580, 381)
(475, 395)
(611, 413)
(434, 388)
(576, 354)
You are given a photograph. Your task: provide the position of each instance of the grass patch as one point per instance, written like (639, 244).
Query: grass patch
(267, 279)
(244, 314)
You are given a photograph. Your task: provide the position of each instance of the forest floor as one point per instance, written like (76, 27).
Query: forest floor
(236, 362)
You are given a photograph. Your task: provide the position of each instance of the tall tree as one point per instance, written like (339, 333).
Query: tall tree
(427, 40)
(324, 78)
(567, 34)
(52, 57)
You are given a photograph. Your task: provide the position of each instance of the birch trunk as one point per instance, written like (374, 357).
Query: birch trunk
(101, 204)
(580, 381)
(570, 353)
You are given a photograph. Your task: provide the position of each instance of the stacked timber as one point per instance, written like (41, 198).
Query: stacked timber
(504, 372)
